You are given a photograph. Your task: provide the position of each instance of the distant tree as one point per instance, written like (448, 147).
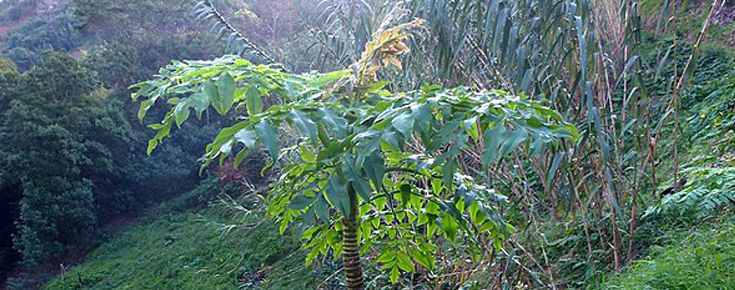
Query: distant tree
(68, 148)
(25, 44)
(9, 194)
(24, 58)
(60, 139)
(8, 78)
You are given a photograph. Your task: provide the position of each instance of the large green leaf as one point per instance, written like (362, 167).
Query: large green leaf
(493, 139)
(199, 102)
(301, 202)
(269, 136)
(337, 193)
(247, 138)
(375, 168)
(210, 89)
(359, 181)
(253, 101)
(404, 123)
(450, 227)
(226, 92)
(321, 208)
(336, 123)
(404, 262)
(304, 124)
(181, 112)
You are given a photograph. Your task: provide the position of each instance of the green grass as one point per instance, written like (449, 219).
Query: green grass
(690, 17)
(700, 260)
(191, 251)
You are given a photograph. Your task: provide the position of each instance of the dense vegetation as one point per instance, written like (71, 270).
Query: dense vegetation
(197, 253)
(73, 153)
(490, 144)
(699, 259)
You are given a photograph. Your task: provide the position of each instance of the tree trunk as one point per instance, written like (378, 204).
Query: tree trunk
(351, 255)
(350, 248)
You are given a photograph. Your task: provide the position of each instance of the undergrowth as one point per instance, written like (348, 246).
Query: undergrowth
(702, 259)
(210, 249)
(707, 128)
(713, 189)
(687, 237)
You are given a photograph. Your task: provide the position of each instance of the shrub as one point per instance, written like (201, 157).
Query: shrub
(710, 190)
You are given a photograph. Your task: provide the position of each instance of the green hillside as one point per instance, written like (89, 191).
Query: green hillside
(367, 144)
(195, 250)
(700, 259)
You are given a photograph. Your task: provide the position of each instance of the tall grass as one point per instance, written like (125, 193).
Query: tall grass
(701, 260)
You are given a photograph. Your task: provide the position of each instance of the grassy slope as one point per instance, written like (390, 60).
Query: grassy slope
(692, 251)
(690, 16)
(700, 260)
(190, 250)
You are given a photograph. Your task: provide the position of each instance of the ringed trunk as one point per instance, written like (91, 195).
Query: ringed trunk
(350, 248)
(351, 256)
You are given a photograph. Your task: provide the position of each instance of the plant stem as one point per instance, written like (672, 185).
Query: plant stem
(631, 230)
(351, 254)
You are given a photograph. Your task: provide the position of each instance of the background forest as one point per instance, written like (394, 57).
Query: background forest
(642, 199)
